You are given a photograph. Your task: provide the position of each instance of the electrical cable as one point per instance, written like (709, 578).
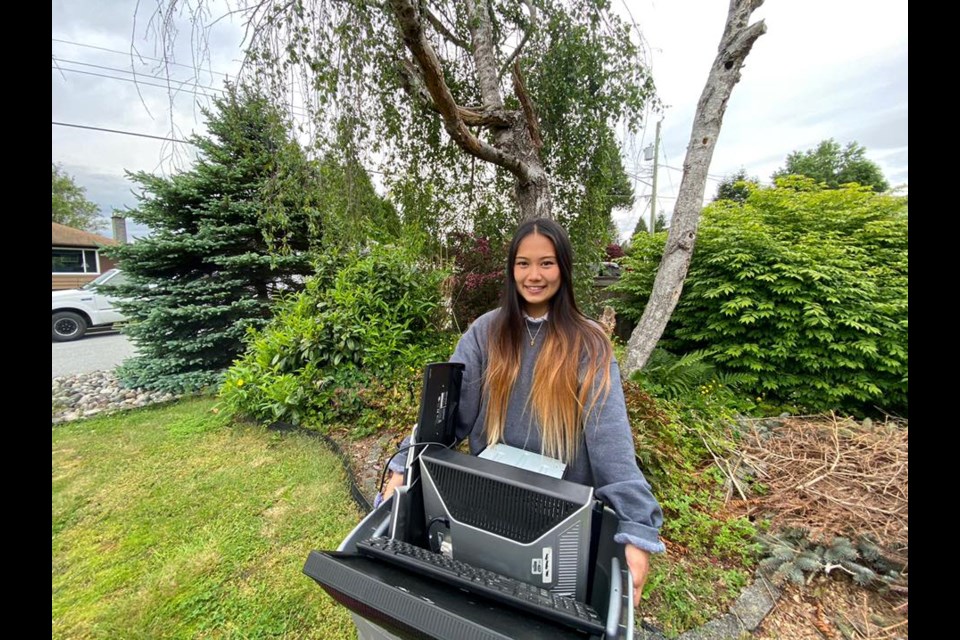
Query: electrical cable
(386, 467)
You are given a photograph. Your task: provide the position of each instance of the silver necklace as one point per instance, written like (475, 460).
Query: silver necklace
(533, 336)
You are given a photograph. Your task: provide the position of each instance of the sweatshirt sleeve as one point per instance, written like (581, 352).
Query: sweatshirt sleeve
(617, 478)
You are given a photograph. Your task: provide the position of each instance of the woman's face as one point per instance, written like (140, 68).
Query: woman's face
(537, 273)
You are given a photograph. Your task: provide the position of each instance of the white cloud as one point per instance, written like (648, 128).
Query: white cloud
(824, 69)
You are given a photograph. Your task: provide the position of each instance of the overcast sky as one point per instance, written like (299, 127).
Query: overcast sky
(824, 69)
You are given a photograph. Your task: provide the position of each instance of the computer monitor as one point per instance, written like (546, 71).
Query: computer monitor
(438, 403)
(509, 520)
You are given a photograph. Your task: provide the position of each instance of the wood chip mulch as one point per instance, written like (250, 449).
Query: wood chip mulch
(832, 476)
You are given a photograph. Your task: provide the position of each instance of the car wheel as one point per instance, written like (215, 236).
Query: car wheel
(68, 325)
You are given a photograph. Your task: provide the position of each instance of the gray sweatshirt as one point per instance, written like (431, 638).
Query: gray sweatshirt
(607, 461)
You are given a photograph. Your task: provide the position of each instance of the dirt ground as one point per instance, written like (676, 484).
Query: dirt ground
(834, 608)
(830, 607)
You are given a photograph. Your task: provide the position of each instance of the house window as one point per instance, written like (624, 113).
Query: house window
(75, 261)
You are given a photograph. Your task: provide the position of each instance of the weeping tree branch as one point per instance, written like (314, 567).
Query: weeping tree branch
(443, 30)
(428, 64)
(526, 36)
(529, 110)
(532, 188)
(735, 44)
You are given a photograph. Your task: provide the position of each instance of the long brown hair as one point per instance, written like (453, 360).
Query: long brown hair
(573, 345)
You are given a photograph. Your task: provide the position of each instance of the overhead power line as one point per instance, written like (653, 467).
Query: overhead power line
(126, 133)
(141, 82)
(134, 54)
(709, 176)
(182, 88)
(135, 73)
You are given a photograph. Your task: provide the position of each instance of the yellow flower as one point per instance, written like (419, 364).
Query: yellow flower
(239, 382)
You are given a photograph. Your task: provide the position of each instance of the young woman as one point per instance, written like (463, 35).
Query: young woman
(539, 375)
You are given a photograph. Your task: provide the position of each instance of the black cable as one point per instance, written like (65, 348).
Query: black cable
(383, 474)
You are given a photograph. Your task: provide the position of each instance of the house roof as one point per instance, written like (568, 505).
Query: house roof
(64, 236)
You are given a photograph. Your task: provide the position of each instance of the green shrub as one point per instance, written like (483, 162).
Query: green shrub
(680, 443)
(477, 276)
(335, 351)
(800, 291)
(669, 376)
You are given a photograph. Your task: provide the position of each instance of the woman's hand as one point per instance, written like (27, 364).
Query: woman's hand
(638, 561)
(393, 481)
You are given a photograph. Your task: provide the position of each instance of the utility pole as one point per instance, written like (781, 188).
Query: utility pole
(653, 196)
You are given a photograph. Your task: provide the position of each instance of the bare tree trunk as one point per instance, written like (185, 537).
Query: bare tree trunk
(738, 38)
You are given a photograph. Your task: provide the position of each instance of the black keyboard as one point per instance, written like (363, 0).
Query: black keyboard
(510, 591)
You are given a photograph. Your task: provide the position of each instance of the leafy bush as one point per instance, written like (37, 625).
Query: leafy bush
(800, 291)
(614, 251)
(334, 350)
(477, 276)
(679, 444)
(669, 376)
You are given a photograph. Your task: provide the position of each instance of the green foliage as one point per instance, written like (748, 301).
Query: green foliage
(229, 235)
(835, 166)
(660, 224)
(736, 186)
(478, 274)
(70, 206)
(333, 350)
(583, 70)
(669, 376)
(353, 213)
(688, 593)
(801, 292)
(676, 442)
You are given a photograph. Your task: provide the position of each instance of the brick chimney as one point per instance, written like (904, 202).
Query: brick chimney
(119, 228)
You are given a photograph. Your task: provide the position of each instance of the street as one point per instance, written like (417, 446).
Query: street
(91, 353)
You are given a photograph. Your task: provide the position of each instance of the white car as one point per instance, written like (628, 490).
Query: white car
(76, 310)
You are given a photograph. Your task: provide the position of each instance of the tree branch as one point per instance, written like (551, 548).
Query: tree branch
(472, 117)
(444, 31)
(526, 36)
(408, 19)
(735, 44)
(529, 111)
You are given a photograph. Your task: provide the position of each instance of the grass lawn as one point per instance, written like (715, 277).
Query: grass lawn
(169, 523)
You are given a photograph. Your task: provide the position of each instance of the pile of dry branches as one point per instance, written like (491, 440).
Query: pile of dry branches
(833, 477)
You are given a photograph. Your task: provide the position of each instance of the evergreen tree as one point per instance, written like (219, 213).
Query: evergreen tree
(660, 224)
(353, 212)
(736, 186)
(228, 234)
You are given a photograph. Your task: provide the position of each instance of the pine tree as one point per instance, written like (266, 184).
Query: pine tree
(736, 186)
(227, 236)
